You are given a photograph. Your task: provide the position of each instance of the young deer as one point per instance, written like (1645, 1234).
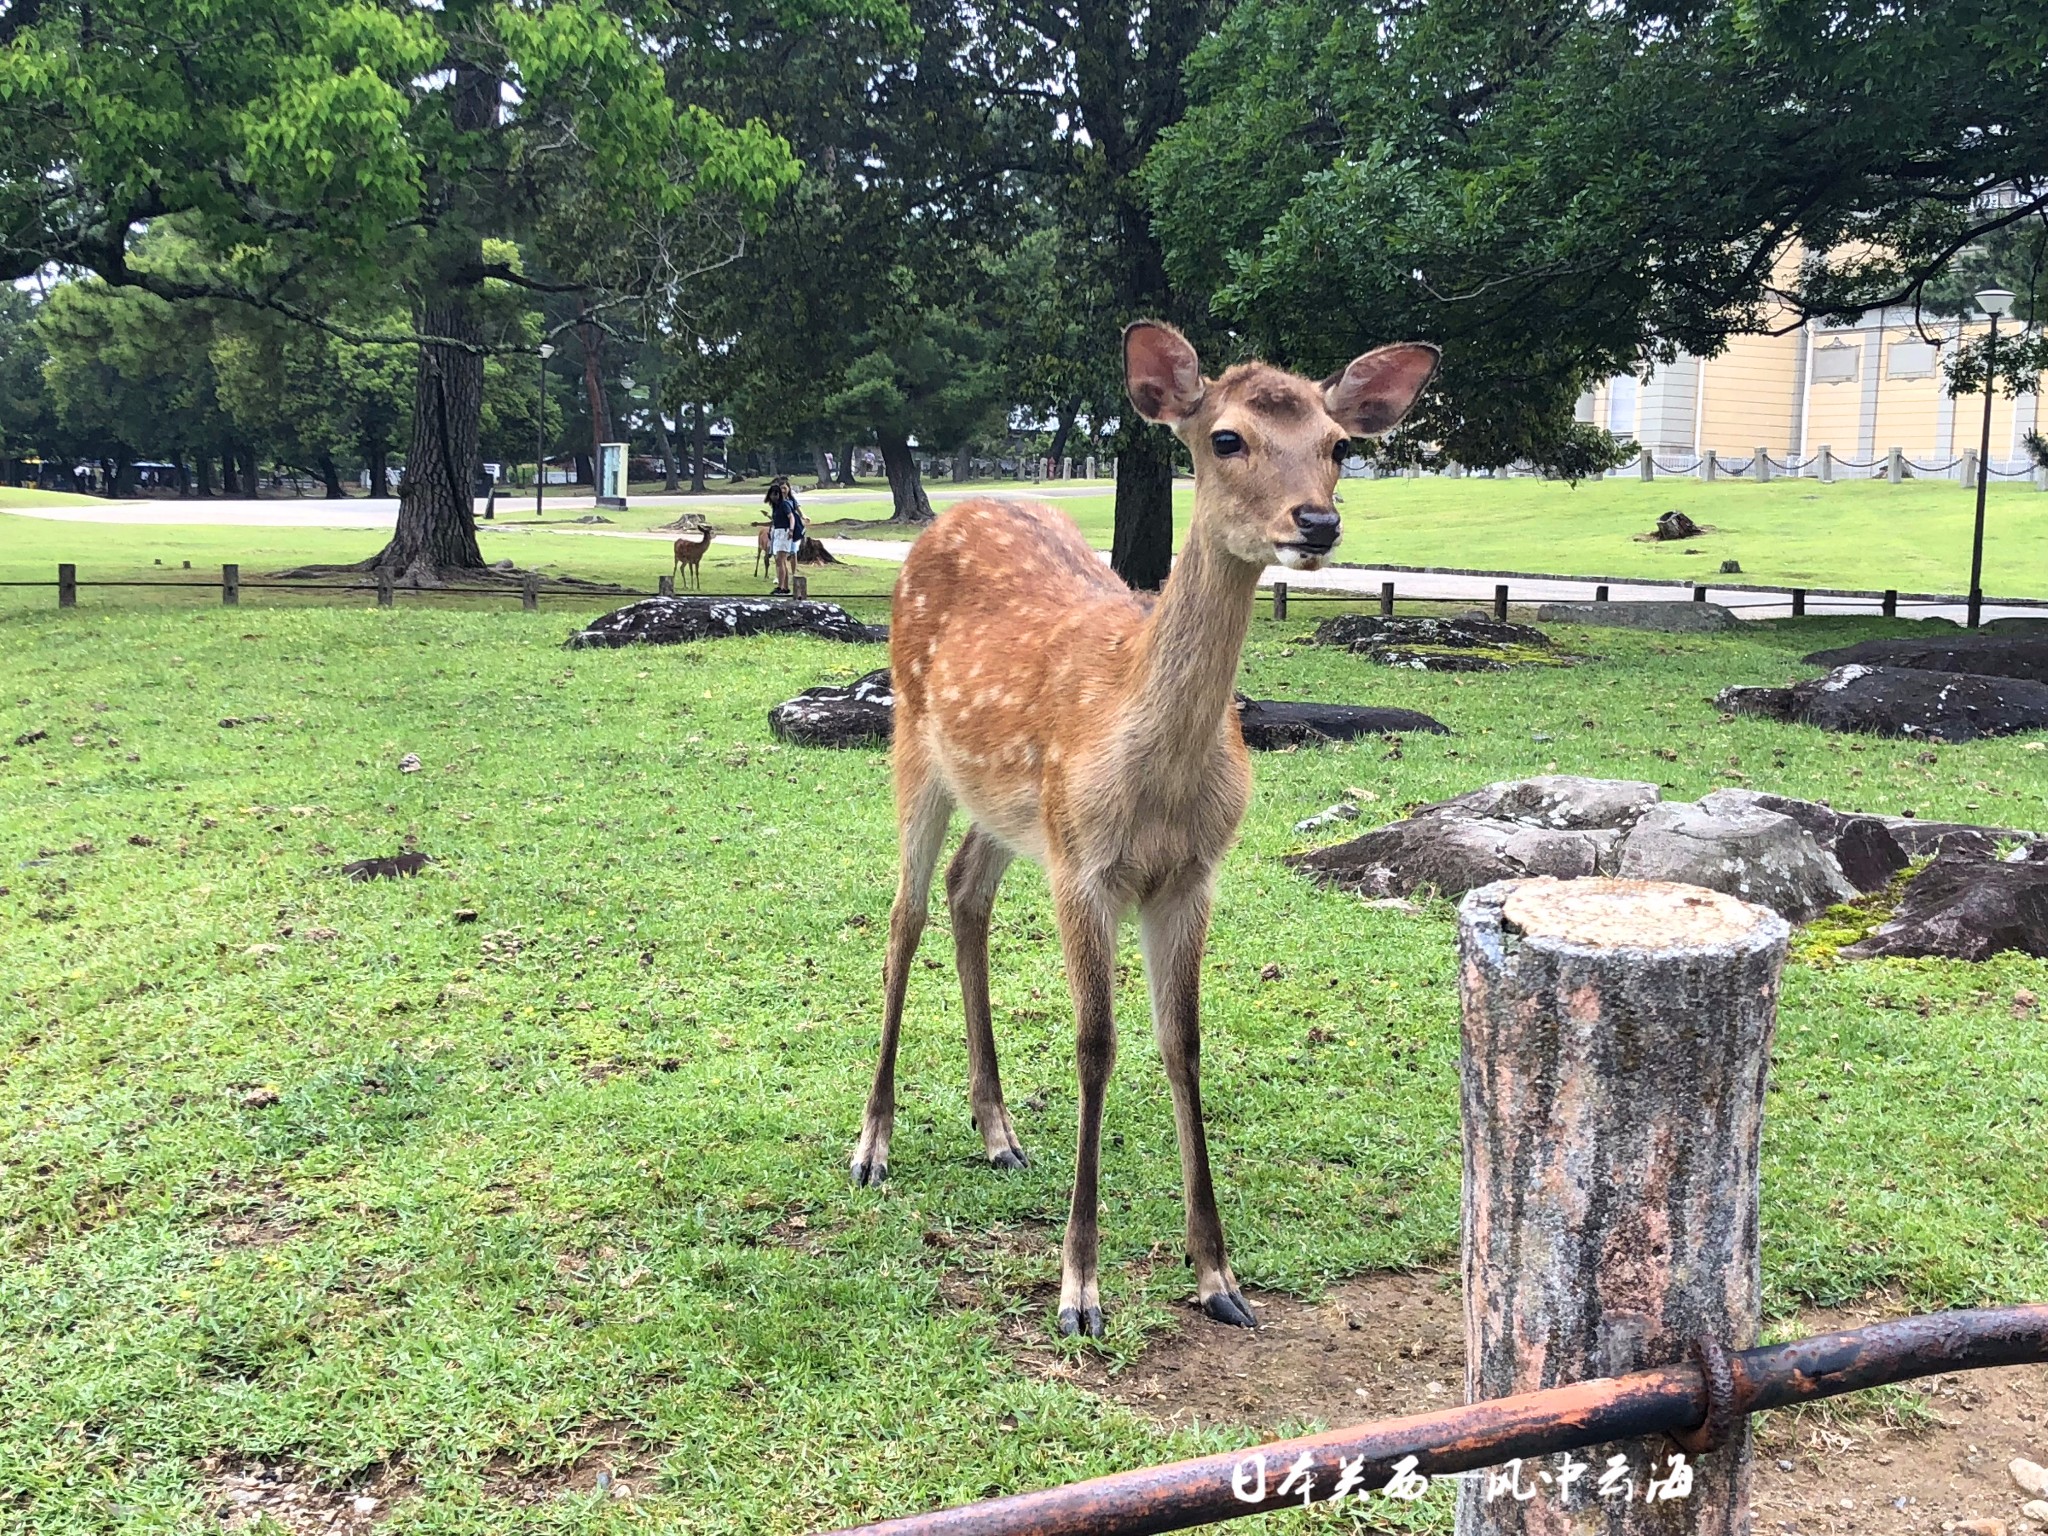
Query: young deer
(1094, 733)
(690, 554)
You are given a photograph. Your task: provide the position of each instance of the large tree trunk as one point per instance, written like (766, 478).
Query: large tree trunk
(906, 484)
(204, 463)
(230, 481)
(846, 476)
(436, 530)
(252, 476)
(332, 477)
(960, 465)
(592, 336)
(820, 470)
(380, 469)
(1142, 547)
(1066, 415)
(700, 443)
(586, 469)
(673, 481)
(1617, 1038)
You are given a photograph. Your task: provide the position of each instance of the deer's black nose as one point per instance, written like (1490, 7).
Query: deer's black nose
(1319, 525)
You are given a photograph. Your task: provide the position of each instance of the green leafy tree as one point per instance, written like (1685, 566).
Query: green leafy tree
(322, 149)
(1560, 191)
(130, 375)
(28, 416)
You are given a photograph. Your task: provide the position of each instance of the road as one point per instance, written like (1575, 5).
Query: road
(1364, 581)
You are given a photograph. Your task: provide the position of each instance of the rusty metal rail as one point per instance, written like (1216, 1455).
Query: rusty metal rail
(1697, 1403)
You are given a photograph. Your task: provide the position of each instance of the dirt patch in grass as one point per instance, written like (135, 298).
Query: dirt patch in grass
(242, 1494)
(258, 1215)
(1919, 1458)
(611, 1461)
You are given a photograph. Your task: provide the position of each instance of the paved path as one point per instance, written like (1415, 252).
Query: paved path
(1478, 590)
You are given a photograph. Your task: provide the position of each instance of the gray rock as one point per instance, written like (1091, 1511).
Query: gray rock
(1864, 846)
(1452, 855)
(1436, 661)
(1362, 631)
(2000, 655)
(1670, 618)
(1757, 855)
(1561, 801)
(861, 714)
(1966, 908)
(1937, 839)
(1270, 724)
(679, 620)
(1901, 701)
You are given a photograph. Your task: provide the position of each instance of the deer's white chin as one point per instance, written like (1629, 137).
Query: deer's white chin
(1298, 559)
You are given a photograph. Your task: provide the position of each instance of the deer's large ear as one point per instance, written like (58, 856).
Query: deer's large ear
(1162, 375)
(1377, 389)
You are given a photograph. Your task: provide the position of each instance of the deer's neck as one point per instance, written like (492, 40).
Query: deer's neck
(1188, 650)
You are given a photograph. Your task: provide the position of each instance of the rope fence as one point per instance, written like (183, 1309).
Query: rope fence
(1824, 464)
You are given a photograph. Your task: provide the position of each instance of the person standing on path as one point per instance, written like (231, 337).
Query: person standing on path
(785, 522)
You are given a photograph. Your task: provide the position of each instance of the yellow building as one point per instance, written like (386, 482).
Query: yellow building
(1843, 396)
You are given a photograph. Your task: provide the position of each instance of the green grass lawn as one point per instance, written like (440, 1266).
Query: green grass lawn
(318, 1173)
(32, 548)
(24, 496)
(1859, 535)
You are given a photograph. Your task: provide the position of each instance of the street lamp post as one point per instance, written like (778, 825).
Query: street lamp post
(1994, 302)
(540, 420)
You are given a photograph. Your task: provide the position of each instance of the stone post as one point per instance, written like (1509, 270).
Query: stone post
(1827, 465)
(1895, 465)
(1649, 465)
(1616, 1041)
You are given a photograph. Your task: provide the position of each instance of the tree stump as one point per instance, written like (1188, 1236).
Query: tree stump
(1617, 1037)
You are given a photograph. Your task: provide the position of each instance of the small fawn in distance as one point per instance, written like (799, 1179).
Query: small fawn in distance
(1094, 733)
(690, 555)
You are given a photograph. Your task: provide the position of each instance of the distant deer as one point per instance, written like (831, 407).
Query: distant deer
(690, 554)
(763, 562)
(1095, 734)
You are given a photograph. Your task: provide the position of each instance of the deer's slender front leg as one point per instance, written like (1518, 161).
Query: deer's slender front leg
(971, 881)
(1088, 938)
(1174, 926)
(923, 807)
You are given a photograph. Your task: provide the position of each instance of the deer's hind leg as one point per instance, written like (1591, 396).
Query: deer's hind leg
(971, 882)
(923, 806)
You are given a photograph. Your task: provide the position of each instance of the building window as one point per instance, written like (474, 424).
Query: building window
(1910, 360)
(1836, 363)
(1622, 391)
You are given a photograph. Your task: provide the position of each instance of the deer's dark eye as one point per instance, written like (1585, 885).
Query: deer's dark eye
(1342, 451)
(1227, 444)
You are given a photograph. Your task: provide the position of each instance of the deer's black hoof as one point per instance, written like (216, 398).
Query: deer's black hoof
(1076, 1321)
(1229, 1307)
(869, 1175)
(1012, 1157)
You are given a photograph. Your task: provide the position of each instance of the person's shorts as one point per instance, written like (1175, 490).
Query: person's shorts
(780, 543)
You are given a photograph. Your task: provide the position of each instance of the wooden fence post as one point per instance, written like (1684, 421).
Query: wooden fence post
(1799, 602)
(67, 586)
(1616, 1041)
(1279, 599)
(231, 586)
(1599, 594)
(1699, 593)
(1500, 603)
(665, 586)
(1889, 605)
(384, 587)
(1386, 599)
(800, 586)
(529, 592)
